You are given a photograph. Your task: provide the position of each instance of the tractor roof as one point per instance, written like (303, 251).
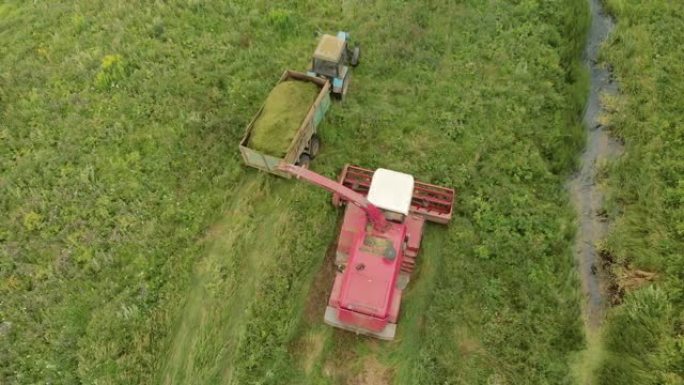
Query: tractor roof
(391, 190)
(329, 48)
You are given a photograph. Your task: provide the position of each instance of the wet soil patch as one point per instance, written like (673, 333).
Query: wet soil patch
(586, 193)
(622, 278)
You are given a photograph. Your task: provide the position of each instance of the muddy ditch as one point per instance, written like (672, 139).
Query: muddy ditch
(586, 193)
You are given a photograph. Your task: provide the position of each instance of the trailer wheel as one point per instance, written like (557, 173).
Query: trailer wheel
(304, 161)
(314, 145)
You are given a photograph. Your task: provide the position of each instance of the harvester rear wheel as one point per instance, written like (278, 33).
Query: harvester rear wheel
(314, 145)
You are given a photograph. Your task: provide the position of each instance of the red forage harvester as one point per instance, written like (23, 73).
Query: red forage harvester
(378, 243)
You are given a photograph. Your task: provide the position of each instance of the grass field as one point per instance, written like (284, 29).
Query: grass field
(135, 247)
(644, 338)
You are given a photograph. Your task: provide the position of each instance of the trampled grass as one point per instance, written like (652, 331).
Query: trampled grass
(137, 249)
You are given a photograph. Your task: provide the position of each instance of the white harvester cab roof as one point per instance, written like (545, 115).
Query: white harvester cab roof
(329, 48)
(391, 190)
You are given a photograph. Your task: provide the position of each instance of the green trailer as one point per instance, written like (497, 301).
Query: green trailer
(305, 144)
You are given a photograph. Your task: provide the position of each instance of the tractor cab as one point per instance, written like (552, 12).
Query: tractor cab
(392, 192)
(332, 59)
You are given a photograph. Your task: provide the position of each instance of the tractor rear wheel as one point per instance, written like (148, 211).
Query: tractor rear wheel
(314, 145)
(304, 161)
(345, 87)
(356, 55)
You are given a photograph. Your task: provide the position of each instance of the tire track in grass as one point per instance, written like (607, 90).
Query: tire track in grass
(417, 300)
(187, 340)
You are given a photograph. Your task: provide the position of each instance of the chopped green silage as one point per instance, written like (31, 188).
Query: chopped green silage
(283, 113)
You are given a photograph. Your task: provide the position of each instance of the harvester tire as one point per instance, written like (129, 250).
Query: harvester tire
(314, 145)
(304, 160)
(356, 55)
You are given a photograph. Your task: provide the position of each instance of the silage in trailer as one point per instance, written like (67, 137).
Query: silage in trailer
(284, 110)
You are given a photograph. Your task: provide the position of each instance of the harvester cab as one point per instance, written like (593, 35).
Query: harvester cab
(378, 243)
(391, 191)
(332, 59)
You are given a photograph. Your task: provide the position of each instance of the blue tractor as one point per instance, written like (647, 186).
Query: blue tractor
(332, 59)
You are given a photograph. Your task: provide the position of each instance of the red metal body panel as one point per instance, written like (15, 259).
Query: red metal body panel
(361, 321)
(372, 269)
(414, 233)
(415, 224)
(353, 222)
(365, 293)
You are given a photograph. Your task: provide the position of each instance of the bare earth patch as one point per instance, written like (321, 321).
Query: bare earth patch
(467, 344)
(631, 279)
(339, 363)
(310, 347)
(373, 372)
(623, 278)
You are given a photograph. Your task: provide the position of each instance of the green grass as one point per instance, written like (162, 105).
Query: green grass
(585, 364)
(137, 249)
(645, 335)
